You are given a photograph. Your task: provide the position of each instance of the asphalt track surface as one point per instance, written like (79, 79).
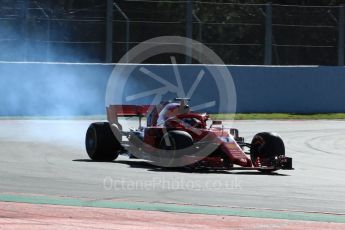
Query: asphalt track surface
(48, 158)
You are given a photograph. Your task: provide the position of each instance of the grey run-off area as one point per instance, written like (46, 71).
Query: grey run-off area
(47, 157)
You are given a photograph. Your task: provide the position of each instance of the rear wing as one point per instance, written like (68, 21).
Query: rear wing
(129, 110)
(115, 111)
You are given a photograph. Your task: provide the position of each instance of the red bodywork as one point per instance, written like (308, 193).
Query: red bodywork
(153, 133)
(129, 110)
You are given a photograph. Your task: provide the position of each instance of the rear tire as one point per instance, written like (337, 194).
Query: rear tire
(100, 142)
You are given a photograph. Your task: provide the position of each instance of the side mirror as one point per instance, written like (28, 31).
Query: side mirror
(234, 133)
(208, 123)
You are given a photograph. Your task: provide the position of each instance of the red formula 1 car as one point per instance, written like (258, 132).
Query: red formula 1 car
(177, 137)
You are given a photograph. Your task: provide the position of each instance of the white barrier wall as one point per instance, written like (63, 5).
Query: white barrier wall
(79, 89)
(290, 89)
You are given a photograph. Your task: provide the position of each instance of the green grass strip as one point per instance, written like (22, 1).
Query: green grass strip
(174, 208)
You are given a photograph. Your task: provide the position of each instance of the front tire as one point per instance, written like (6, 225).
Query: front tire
(100, 142)
(266, 147)
(173, 144)
(176, 140)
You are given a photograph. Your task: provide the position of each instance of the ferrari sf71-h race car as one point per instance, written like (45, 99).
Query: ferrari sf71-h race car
(175, 136)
